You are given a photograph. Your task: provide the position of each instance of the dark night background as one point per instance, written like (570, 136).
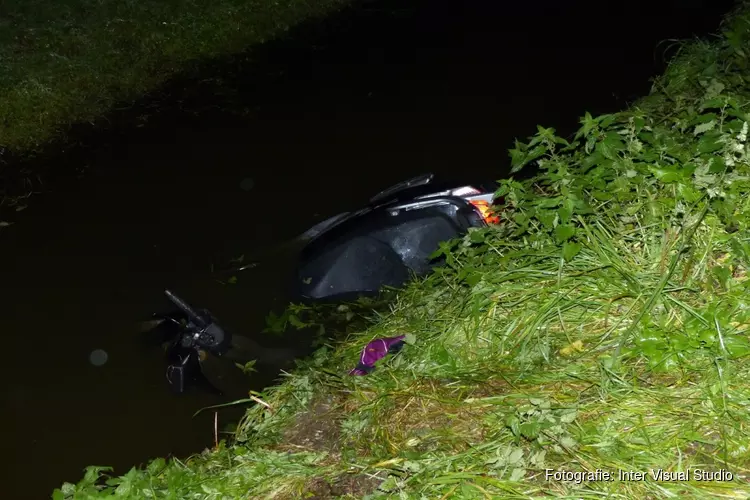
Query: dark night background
(340, 110)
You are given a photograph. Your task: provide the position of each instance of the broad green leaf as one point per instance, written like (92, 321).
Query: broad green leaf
(389, 484)
(639, 123)
(588, 124)
(522, 161)
(679, 341)
(592, 160)
(521, 219)
(550, 202)
(650, 346)
(707, 337)
(709, 143)
(512, 423)
(601, 195)
(565, 213)
(704, 127)
(517, 154)
(517, 474)
(515, 457)
(705, 118)
(567, 442)
(546, 217)
(477, 236)
(716, 165)
(736, 345)
(611, 145)
(687, 193)
(606, 120)
(564, 232)
(722, 274)
(666, 174)
(715, 103)
(537, 459)
(469, 492)
(570, 250)
(569, 417)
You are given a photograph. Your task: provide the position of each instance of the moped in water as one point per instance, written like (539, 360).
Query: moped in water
(350, 255)
(384, 243)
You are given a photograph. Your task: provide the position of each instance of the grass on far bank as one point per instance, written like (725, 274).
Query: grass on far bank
(69, 61)
(603, 326)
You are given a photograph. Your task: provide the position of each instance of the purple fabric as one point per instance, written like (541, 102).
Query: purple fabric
(376, 350)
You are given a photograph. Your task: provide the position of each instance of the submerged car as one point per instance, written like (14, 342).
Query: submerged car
(351, 254)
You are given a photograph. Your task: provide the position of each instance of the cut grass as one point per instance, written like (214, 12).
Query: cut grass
(71, 61)
(603, 326)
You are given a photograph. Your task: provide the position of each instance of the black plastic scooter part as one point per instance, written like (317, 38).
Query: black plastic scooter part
(381, 248)
(185, 307)
(185, 370)
(202, 330)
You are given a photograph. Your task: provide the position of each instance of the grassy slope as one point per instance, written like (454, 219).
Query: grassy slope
(603, 326)
(70, 61)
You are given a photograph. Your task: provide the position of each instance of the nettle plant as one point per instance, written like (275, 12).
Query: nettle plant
(669, 192)
(628, 168)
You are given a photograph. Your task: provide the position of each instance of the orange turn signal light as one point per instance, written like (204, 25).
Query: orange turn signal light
(485, 209)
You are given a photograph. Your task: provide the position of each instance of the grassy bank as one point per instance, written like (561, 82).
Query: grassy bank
(602, 327)
(69, 61)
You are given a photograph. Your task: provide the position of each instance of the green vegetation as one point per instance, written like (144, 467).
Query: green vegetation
(602, 326)
(69, 61)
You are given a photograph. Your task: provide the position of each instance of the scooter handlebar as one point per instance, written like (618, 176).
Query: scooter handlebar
(185, 307)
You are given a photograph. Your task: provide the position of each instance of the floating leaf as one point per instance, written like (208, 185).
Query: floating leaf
(248, 367)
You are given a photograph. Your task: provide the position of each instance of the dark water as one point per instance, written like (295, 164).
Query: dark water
(342, 109)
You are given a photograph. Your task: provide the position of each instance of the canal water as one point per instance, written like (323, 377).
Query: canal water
(338, 110)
